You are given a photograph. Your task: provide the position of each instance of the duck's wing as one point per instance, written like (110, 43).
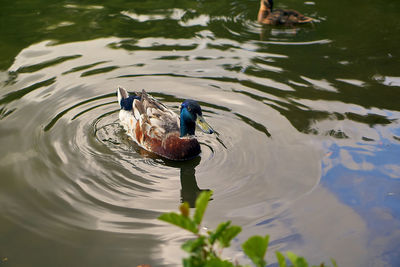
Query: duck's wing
(155, 119)
(289, 17)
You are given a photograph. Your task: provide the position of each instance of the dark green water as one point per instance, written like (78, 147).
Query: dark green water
(308, 120)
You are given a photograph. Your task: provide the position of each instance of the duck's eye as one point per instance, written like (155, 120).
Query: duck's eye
(189, 109)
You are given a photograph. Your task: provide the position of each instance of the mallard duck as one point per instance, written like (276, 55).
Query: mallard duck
(270, 16)
(160, 130)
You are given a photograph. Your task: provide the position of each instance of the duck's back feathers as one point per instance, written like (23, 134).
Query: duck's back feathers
(288, 17)
(156, 128)
(157, 115)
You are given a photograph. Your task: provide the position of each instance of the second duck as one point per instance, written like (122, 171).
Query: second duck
(288, 17)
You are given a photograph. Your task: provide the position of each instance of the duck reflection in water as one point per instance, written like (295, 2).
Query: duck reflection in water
(189, 188)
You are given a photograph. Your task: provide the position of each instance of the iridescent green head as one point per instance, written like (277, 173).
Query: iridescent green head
(190, 116)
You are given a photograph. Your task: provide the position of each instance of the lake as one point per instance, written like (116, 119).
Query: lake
(307, 148)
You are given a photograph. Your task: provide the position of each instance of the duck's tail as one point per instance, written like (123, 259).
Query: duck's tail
(125, 100)
(122, 94)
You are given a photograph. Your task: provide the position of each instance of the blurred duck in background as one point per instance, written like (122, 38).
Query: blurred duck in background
(269, 16)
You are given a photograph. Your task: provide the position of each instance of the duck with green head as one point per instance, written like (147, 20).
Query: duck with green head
(158, 129)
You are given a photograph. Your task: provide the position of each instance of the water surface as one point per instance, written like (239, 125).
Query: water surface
(308, 140)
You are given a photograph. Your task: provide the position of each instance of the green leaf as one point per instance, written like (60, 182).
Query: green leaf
(221, 227)
(194, 245)
(187, 262)
(301, 262)
(281, 259)
(193, 261)
(334, 263)
(201, 205)
(296, 260)
(255, 248)
(179, 220)
(217, 262)
(292, 257)
(229, 234)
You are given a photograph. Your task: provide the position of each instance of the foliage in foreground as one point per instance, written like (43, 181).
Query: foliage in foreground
(206, 249)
